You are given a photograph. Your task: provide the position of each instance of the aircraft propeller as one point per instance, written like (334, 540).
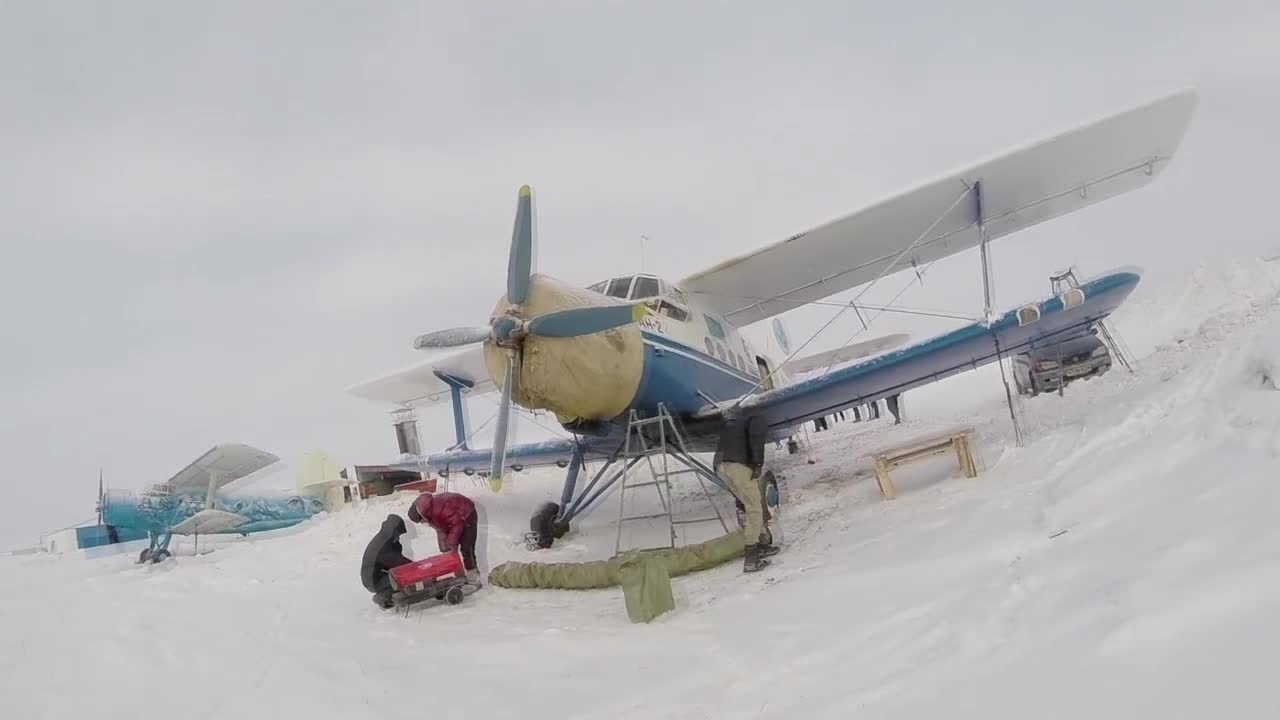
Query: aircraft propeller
(510, 329)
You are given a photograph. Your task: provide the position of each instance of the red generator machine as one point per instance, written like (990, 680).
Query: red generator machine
(441, 577)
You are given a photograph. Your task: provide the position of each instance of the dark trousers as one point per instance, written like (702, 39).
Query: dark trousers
(468, 543)
(382, 590)
(892, 402)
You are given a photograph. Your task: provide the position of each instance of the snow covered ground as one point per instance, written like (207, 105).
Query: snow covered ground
(1120, 564)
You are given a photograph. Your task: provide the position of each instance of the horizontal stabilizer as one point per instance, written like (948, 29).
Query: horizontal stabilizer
(208, 522)
(1019, 189)
(846, 354)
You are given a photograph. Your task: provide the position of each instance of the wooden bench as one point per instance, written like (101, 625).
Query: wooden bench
(953, 440)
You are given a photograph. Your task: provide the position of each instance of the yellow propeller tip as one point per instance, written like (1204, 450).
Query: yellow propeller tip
(495, 484)
(525, 191)
(638, 312)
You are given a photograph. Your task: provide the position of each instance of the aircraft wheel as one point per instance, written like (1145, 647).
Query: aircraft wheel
(454, 595)
(542, 525)
(159, 555)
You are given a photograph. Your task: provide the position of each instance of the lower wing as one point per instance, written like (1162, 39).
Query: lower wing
(961, 350)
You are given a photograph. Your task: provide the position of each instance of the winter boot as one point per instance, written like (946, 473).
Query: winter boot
(751, 560)
(473, 577)
(765, 550)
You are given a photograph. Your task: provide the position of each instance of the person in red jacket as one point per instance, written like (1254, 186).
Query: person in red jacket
(455, 521)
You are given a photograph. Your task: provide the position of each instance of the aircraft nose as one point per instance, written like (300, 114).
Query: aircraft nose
(593, 377)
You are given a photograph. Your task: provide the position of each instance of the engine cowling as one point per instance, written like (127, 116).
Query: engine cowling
(591, 377)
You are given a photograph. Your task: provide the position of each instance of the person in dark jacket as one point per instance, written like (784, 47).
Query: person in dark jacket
(741, 466)
(456, 523)
(383, 553)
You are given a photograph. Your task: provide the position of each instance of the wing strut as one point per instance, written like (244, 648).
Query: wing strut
(853, 303)
(984, 252)
(456, 386)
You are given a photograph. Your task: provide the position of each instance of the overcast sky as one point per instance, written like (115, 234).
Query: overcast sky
(217, 216)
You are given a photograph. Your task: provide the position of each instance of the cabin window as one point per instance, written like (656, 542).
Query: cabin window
(1028, 315)
(675, 313)
(714, 327)
(618, 287)
(720, 352)
(646, 287)
(1072, 298)
(711, 349)
(599, 287)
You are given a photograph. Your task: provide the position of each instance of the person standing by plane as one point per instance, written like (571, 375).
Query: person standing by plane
(894, 407)
(741, 466)
(456, 523)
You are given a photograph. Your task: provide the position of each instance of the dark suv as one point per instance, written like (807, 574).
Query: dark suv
(1053, 367)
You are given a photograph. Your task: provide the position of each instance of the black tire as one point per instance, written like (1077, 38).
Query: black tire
(159, 555)
(543, 524)
(454, 595)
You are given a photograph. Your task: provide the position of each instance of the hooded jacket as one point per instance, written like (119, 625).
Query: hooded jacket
(742, 441)
(447, 513)
(383, 553)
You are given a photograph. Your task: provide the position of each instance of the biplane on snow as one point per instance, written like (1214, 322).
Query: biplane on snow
(189, 503)
(639, 346)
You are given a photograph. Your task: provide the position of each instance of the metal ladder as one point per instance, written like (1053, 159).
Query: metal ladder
(670, 444)
(1067, 279)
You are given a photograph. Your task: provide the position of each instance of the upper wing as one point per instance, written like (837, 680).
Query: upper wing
(421, 384)
(846, 353)
(1018, 189)
(225, 463)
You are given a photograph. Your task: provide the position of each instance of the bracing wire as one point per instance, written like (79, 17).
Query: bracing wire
(885, 270)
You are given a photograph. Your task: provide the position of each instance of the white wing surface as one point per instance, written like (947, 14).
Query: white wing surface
(1019, 189)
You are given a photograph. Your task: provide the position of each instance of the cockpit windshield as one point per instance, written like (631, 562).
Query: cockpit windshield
(665, 299)
(645, 287)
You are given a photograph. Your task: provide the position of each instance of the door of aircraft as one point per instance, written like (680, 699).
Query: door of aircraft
(763, 365)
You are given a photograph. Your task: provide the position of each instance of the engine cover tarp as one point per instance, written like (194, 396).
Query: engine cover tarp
(606, 573)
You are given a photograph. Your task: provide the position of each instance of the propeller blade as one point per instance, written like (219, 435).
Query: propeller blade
(499, 452)
(585, 321)
(453, 337)
(520, 262)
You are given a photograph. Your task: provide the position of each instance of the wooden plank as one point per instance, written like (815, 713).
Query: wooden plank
(921, 440)
(882, 478)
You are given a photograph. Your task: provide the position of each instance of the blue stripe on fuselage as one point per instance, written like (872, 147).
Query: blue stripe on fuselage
(674, 373)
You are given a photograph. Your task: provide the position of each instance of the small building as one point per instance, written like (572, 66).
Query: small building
(385, 480)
